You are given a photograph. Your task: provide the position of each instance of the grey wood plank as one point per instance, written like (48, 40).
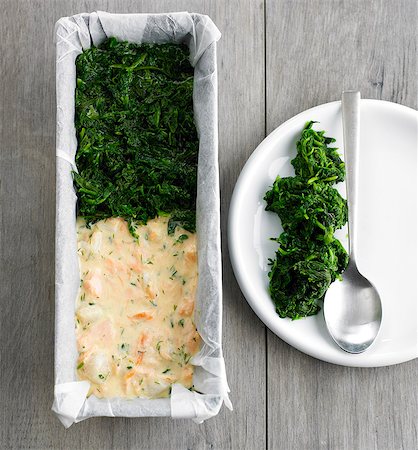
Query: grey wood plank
(315, 49)
(27, 121)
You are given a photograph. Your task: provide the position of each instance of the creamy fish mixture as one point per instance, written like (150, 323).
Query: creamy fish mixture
(134, 311)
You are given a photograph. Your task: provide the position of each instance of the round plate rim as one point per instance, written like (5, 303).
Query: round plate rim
(343, 359)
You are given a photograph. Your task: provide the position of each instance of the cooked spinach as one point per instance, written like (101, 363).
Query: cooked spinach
(137, 141)
(307, 209)
(315, 160)
(309, 257)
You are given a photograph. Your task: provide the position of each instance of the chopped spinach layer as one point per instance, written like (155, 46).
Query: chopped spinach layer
(309, 257)
(137, 141)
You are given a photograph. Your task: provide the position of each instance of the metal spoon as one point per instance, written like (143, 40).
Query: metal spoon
(352, 307)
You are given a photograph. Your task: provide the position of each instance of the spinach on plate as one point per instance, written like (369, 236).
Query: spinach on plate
(309, 258)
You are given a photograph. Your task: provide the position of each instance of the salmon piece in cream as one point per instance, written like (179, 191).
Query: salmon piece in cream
(93, 283)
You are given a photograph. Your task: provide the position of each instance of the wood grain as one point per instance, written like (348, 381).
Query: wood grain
(315, 49)
(277, 57)
(27, 102)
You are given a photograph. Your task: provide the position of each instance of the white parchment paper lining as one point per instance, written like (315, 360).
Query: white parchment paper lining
(73, 34)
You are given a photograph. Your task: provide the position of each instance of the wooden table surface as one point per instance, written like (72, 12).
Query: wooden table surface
(276, 58)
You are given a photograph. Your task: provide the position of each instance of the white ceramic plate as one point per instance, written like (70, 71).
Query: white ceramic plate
(387, 228)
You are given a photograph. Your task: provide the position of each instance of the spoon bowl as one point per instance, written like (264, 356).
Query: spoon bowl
(353, 311)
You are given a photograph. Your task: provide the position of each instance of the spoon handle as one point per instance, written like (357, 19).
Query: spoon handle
(351, 131)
